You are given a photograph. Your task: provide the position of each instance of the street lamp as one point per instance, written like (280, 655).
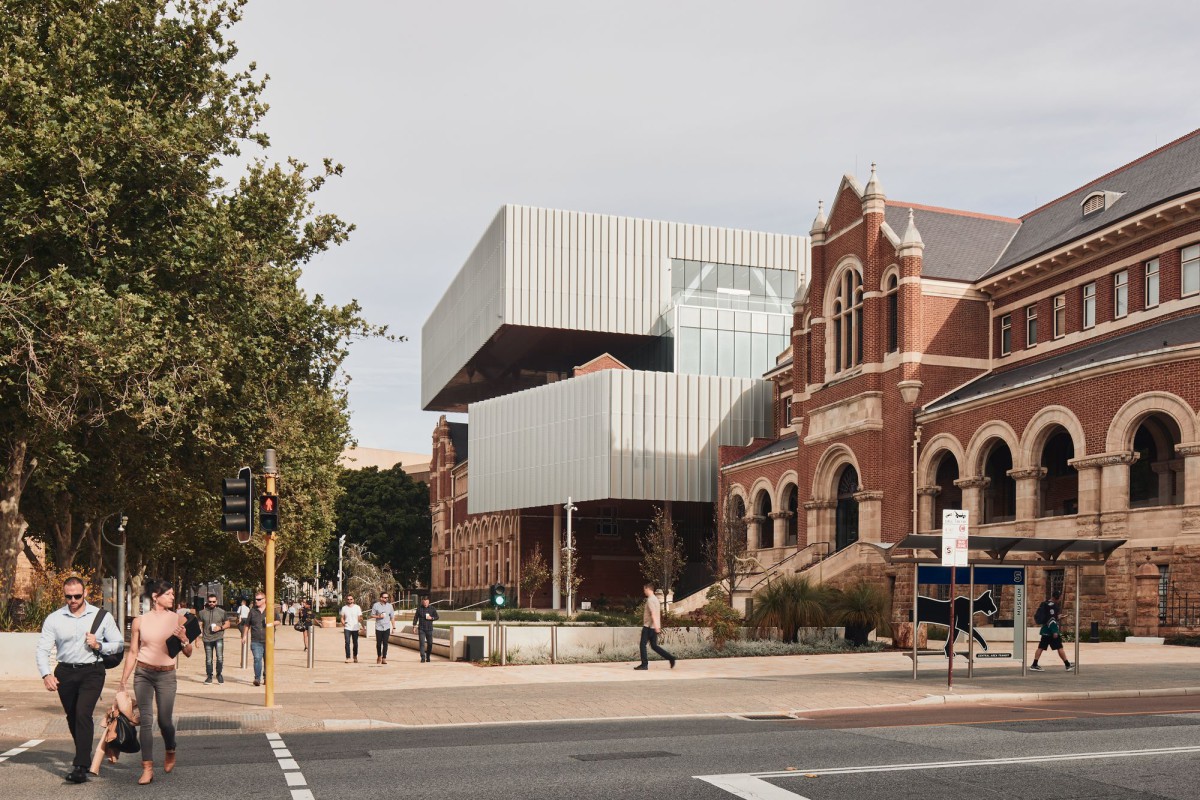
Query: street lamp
(122, 522)
(341, 544)
(570, 551)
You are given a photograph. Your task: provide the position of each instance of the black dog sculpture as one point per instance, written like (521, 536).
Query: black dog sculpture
(937, 612)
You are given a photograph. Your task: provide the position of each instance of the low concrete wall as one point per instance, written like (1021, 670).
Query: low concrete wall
(17, 653)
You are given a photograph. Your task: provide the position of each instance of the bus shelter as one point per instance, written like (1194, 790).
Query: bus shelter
(1014, 555)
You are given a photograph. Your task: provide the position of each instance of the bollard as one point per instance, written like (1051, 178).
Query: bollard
(1095, 637)
(245, 649)
(312, 646)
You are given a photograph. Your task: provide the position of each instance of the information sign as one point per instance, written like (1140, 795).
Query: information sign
(954, 537)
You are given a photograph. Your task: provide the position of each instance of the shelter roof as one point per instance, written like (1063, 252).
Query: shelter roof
(1008, 550)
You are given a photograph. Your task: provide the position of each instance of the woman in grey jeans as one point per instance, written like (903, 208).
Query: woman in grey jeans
(155, 680)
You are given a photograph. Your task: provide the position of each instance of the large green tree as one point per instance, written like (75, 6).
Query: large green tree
(152, 333)
(387, 512)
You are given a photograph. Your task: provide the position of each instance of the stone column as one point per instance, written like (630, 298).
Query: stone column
(972, 495)
(926, 503)
(1191, 485)
(779, 526)
(1166, 481)
(820, 524)
(1027, 491)
(1089, 484)
(870, 517)
(754, 532)
(1145, 592)
(1114, 480)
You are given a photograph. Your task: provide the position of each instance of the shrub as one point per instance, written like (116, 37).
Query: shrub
(718, 615)
(45, 597)
(789, 603)
(862, 607)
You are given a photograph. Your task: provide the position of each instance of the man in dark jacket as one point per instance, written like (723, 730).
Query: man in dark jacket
(423, 620)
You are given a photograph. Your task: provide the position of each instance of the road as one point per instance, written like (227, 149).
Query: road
(1128, 749)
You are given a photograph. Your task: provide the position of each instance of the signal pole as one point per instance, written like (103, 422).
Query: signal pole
(270, 473)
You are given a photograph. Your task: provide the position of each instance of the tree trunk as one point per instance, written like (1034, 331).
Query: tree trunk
(12, 523)
(67, 540)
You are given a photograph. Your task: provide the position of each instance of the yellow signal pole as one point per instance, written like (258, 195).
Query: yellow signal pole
(269, 476)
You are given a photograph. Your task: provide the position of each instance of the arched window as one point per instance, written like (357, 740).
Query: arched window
(846, 515)
(893, 313)
(847, 321)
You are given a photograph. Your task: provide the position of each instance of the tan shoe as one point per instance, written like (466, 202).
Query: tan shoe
(383, 661)
(147, 773)
(169, 761)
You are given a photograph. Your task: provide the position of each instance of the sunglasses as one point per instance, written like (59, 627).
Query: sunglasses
(74, 596)
(259, 598)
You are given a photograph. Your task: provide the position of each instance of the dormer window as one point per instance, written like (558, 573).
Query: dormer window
(1098, 201)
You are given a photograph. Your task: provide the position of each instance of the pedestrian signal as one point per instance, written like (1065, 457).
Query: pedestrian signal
(236, 515)
(499, 600)
(268, 513)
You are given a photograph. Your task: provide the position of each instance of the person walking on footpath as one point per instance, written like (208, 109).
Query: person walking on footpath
(79, 676)
(651, 628)
(284, 611)
(1051, 635)
(153, 670)
(257, 624)
(423, 619)
(351, 614)
(243, 612)
(214, 623)
(305, 623)
(383, 613)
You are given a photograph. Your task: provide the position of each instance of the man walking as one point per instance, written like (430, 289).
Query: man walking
(651, 627)
(423, 619)
(213, 625)
(1051, 636)
(79, 676)
(257, 622)
(351, 615)
(383, 613)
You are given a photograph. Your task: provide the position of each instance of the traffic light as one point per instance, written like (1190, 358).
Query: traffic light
(499, 600)
(236, 512)
(268, 513)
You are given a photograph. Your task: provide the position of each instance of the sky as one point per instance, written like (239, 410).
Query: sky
(739, 114)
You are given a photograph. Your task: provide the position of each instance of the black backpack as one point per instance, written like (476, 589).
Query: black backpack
(1042, 615)
(111, 660)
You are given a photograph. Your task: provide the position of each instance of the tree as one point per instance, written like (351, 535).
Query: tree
(662, 552)
(153, 336)
(387, 512)
(725, 552)
(534, 573)
(365, 576)
(569, 577)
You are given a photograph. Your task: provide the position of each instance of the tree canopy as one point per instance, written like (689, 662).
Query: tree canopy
(387, 512)
(153, 336)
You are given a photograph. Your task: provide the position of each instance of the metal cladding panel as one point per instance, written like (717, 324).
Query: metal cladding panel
(621, 434)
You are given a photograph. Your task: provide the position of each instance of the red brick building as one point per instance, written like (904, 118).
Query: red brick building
(1041, 372)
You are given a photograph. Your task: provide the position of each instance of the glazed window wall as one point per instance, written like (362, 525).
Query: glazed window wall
(734, 344)
(729, 286)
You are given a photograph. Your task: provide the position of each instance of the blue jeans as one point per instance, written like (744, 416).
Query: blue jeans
(214, 650)
(258, 649)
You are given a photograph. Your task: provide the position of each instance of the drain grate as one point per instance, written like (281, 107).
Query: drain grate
(202, 723)
(624, 756)
(767, 717)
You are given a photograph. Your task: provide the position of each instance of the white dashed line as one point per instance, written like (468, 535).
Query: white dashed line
(16, 751)
(291, 770)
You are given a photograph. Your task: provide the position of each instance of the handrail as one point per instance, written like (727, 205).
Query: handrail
(770, 572)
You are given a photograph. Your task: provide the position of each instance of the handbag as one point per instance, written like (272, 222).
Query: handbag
(300, 626)
(111, 660)
(126, 736)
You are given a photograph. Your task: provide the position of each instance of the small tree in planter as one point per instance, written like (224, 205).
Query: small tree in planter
(862, 607)
(719, 617)
(725, 552)
(534, 573)
(662, 553)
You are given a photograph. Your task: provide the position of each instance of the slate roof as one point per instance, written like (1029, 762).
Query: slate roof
(959, 245)
(1168, 172)
(1183, 330)
(458, 437)
(781, 445)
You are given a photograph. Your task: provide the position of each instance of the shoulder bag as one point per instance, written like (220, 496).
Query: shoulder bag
(111, 660)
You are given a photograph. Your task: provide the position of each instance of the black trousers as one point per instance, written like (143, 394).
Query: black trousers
(351, 642)
(381, 642)
(425, 643)
(650, 637)
(78, 689)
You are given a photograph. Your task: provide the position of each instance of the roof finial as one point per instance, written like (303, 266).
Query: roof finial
(819, 221)
(873, 186)
(912, 237)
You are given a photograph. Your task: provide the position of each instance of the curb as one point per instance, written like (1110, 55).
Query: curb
(1030, 697)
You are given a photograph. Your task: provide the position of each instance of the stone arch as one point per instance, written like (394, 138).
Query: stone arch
(893, 270)
(977, 448)
(739, 491)
(761, 485)
(931, 455)
(828, 467)
(1126, 421)
(781, 485)
(1039, 429)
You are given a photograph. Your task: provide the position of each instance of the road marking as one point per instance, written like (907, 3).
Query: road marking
(16, 751)
(291, 770)
(753, 786)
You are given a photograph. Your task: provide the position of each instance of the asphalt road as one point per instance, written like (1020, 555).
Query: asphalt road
(1128, 749)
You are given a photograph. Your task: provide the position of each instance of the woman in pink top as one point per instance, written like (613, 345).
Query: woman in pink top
(155, 678)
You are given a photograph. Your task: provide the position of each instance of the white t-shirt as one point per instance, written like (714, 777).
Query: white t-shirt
(352, 615)
(243, 612)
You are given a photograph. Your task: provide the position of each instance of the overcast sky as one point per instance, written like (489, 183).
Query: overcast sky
(740, 114)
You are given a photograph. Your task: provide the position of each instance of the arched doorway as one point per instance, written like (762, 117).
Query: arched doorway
(846, 520)
(949, 496)
(766, 528)
(1000, 496)
(1155, 478)
(1059, 488)
(791, 503)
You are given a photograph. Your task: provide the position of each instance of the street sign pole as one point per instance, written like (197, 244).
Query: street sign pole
(955, 553)
(270, 473)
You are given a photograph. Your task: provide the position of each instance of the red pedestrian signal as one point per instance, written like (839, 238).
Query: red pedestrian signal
(268, 513)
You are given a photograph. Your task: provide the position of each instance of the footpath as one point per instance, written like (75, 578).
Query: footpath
(405, 692)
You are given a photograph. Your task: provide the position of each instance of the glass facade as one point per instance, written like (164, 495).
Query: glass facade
(728, 320)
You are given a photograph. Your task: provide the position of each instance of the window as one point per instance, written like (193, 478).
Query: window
(1093, 203)
(1060, 315)
(1006, 334)
(1089, 305)
(1121, 294)
(847, 322)
(1030, 326)
(1151, 283)
(787, 412)
(893, 314)
(1189, 278)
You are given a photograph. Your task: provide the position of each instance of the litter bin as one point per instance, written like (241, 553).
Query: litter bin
(473, 648)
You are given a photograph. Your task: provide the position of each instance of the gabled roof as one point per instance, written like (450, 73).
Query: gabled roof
(1168, 172)
(959, 245)
(777, 447)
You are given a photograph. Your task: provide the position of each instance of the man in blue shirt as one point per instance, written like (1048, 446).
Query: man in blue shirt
(79, 676)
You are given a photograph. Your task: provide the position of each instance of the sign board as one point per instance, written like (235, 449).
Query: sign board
(995, 576)
(954, 537)
(993, 655)
(1019, 612)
